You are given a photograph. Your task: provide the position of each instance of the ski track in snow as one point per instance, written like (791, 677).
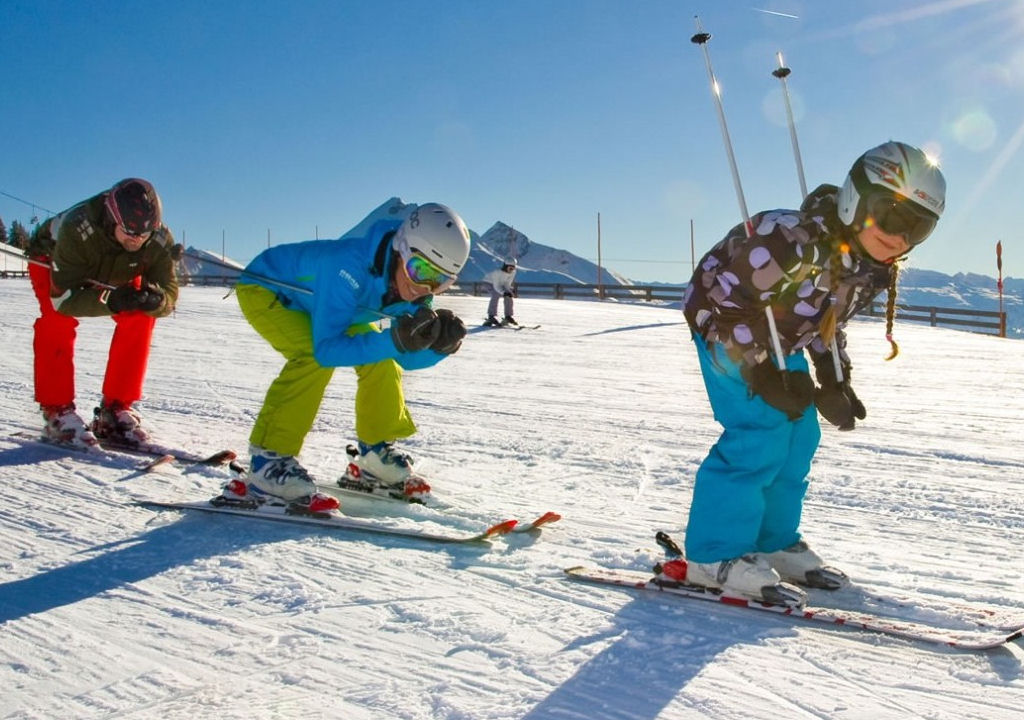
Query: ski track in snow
(115, 611)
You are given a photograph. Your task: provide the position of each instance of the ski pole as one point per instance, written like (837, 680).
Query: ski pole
(249, 273)
(701, 38)
(49, 266)
(277, 283)
(782, 72)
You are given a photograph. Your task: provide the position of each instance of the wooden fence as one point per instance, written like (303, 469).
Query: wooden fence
(988, 322)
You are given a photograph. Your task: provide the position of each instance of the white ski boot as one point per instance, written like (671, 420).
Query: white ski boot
(801, 565)
(381, 470)
(119, 423)
(385, 463)
(748, 576)
(64, 425)
(275, 477)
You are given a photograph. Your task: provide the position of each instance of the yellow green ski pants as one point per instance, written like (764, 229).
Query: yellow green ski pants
(294, 397)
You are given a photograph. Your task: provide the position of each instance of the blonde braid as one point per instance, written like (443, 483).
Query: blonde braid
(829, 321)
(890, 309)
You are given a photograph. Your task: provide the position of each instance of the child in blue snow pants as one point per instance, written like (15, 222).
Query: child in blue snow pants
(749, 491)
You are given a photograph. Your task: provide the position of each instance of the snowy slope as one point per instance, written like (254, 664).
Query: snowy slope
(110, 610)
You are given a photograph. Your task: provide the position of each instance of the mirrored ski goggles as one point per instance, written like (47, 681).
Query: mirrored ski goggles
(896, 215)
(423, 272)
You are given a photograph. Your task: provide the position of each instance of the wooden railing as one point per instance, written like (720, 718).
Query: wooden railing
(989, 322)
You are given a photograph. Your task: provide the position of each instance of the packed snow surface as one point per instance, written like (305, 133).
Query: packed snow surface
(112, 610)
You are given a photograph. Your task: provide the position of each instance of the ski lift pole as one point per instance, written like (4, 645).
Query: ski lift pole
(702, 38)
(782, 72)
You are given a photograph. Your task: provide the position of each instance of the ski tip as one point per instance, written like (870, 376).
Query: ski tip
(502, 528)
(547, 518)
(159, 462)
(222, 457)
(535, 526)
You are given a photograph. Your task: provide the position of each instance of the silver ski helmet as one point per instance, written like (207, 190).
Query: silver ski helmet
(509, 264)
(436, 234)
(898, 186)
(134, 206)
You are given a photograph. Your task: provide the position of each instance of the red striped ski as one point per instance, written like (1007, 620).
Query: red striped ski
(331, 521)
(920, 632)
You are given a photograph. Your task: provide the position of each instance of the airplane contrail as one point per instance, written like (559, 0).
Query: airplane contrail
(780, 14)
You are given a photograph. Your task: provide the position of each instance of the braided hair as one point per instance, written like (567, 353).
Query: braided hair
(890, 308)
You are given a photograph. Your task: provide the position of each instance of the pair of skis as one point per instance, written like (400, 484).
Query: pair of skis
(991, 628)
(330, 521)
(296, 514)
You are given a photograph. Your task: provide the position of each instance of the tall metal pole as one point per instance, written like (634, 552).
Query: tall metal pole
(600, 287)
(693, 250)
(999, 267)
(782, 72)
(701, 38)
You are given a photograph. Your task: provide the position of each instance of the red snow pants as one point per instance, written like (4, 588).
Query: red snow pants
(54, 346)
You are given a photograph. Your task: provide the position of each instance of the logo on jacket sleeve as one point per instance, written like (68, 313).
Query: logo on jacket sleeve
(343, 273)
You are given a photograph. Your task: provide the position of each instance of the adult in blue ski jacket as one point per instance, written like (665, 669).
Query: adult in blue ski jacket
(791, 284)
(321, 305)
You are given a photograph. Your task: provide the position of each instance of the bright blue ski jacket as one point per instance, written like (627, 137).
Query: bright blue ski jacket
(340, 284)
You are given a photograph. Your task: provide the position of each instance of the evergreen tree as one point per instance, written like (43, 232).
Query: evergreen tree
(3, 231)
(19, 235)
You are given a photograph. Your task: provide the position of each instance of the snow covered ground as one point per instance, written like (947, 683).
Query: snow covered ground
(110, 610)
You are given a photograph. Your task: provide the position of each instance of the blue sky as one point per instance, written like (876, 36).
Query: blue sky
(299, 117)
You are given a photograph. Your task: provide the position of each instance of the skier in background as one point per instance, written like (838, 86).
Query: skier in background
(813, 269)
(116, 238)
(501, 281)
(319, 304)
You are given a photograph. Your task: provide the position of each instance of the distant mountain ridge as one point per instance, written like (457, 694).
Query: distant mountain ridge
(544, 264)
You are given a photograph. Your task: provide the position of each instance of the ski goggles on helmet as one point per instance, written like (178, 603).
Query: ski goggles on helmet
(422, 271)
(896, 215)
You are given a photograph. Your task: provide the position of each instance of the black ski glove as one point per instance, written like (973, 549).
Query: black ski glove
(508, 294)
(836, 400)
(126, 298)
(449, 339)
(410, 333)
(790, 391)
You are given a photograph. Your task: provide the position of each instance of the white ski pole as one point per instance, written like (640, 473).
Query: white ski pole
(782, 72)
(701, 38)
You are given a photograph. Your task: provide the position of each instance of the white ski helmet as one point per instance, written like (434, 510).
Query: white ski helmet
(437, 233)
(509, 264)
(894, 169)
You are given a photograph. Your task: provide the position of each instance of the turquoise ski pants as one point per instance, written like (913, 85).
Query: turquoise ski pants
(749, 491)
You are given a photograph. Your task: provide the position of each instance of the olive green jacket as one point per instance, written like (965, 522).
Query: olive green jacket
(81, 245)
